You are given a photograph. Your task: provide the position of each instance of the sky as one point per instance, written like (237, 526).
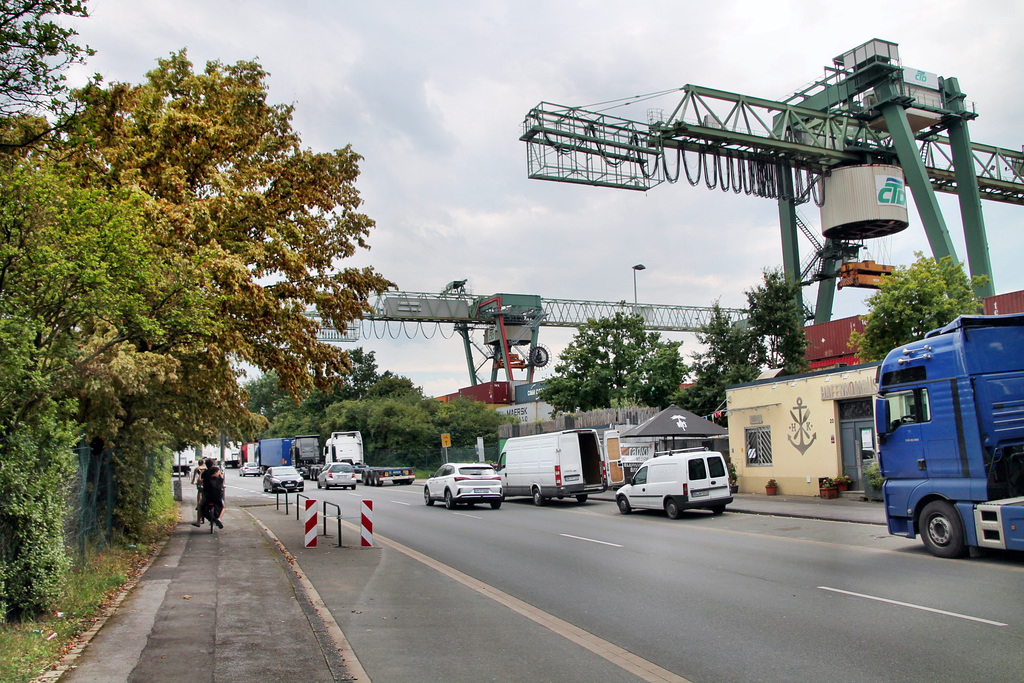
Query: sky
(433, 96)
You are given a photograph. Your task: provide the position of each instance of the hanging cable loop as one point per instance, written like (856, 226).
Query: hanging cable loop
(686, 169)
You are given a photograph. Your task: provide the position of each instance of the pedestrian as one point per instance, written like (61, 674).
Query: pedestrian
(197, 480)
(213, 493)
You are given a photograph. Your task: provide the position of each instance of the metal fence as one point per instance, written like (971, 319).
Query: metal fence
(428, 459)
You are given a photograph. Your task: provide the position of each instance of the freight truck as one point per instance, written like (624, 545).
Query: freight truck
(306, 456)
(950, 421)
(274, 453)
(344, 447)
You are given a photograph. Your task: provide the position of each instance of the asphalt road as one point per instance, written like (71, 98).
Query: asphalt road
(725, 598)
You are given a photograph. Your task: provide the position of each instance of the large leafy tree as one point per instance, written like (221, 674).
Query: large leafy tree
(248, 228)
(35, 48)
(615, 361)
(729, 357)
(777, 322)
(912, 301)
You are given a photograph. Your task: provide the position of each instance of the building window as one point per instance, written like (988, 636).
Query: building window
(759, 445)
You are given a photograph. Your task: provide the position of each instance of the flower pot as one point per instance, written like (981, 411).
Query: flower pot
(828, 493)
(842, 486)
(771, 490)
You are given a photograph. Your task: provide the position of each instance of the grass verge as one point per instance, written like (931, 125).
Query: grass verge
(30, 647)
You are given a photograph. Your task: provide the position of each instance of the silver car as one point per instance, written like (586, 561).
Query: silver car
(464, 483)
(249, 468)
(337, 474)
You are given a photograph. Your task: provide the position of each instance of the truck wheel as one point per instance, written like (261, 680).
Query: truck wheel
(426, 496)
(449, 502)
(624, 506)
(671, 509)
(941, 529)
(539, 499)
(582, 498)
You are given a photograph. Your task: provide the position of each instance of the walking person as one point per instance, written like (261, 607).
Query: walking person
(197, 480)
(213, 493)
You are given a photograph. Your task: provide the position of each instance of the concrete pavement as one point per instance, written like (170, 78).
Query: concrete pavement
(250, 603)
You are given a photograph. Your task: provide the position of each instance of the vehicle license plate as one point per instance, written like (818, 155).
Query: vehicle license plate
(481, 490)
(572, 477)
(699, 494)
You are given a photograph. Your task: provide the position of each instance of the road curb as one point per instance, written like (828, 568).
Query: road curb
(342, 648)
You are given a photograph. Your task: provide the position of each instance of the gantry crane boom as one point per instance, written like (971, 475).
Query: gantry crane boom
(858, 113)
(511, 320)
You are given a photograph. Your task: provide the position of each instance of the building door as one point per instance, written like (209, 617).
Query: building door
(856, 439)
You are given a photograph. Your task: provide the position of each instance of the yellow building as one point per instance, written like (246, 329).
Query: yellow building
(797, 428)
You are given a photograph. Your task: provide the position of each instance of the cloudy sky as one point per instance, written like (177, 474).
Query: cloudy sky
(433, 95)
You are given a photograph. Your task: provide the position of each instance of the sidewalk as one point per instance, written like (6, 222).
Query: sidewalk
(212, 607)
(229, 606)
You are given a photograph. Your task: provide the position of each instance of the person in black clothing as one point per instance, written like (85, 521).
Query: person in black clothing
(213, 492)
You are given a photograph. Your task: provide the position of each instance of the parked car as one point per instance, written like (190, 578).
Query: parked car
(338, 474)
(464, 483)
(250, 468)
(282, 478)
(676, 482)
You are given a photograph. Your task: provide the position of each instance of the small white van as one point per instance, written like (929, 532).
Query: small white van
(676, 482)
(553, 465)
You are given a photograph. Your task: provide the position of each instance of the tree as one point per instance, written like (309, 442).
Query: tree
(729, 358)
(913, 301)
(777, 322)
(34, 50)
(614, 361)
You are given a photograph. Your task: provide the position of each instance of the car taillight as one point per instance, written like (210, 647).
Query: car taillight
(461, 478)
(686, 489)
(558, 475)
(604, 472)
(495, 478)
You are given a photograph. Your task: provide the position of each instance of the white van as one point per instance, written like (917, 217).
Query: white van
(555, 465)
(678, 481)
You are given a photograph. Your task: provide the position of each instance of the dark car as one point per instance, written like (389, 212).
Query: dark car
(284, 478)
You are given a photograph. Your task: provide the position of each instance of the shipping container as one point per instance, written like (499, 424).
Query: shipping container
(829, 343)
(488, 392)
(1003, 304)
(528, 393)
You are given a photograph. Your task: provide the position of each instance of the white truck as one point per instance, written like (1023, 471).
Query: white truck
(553, 465)
(344, 447)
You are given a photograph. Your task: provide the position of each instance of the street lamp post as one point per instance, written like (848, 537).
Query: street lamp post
(637, 267)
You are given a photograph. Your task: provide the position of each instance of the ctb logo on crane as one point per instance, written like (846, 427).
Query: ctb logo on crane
(891, 190)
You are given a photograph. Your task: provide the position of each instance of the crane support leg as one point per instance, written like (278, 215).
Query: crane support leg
(917, 180)
(787, 221)
(827, 287)
(463, 330)
(967, 191)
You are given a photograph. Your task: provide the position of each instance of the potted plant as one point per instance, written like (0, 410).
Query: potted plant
(875, 481)
(843, 482)
(733, 479)
(827, 488)
(772, 487)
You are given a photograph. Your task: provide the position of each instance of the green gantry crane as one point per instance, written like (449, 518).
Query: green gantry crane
(508, 323)
(868, 109)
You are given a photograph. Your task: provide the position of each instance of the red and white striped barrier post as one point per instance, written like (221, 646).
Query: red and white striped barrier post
(366, 539)
(310, 523)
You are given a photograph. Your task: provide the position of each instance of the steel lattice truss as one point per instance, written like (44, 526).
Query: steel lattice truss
(570, 144)
(422, 307)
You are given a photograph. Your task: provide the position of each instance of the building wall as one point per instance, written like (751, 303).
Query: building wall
(801, 415)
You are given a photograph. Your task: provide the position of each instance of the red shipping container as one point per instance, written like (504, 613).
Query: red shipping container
(1003, 304)
(488, 392)
(830, 342)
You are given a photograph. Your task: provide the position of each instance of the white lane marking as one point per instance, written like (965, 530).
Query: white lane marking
(399, 502)
(913, 606)
(624, 659)
(463, 514)
(591, 540)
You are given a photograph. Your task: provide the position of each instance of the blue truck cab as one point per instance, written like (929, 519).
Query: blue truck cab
(949, 415)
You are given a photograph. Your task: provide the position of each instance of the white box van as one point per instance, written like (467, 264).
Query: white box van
(678, 481)
(555, 465)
